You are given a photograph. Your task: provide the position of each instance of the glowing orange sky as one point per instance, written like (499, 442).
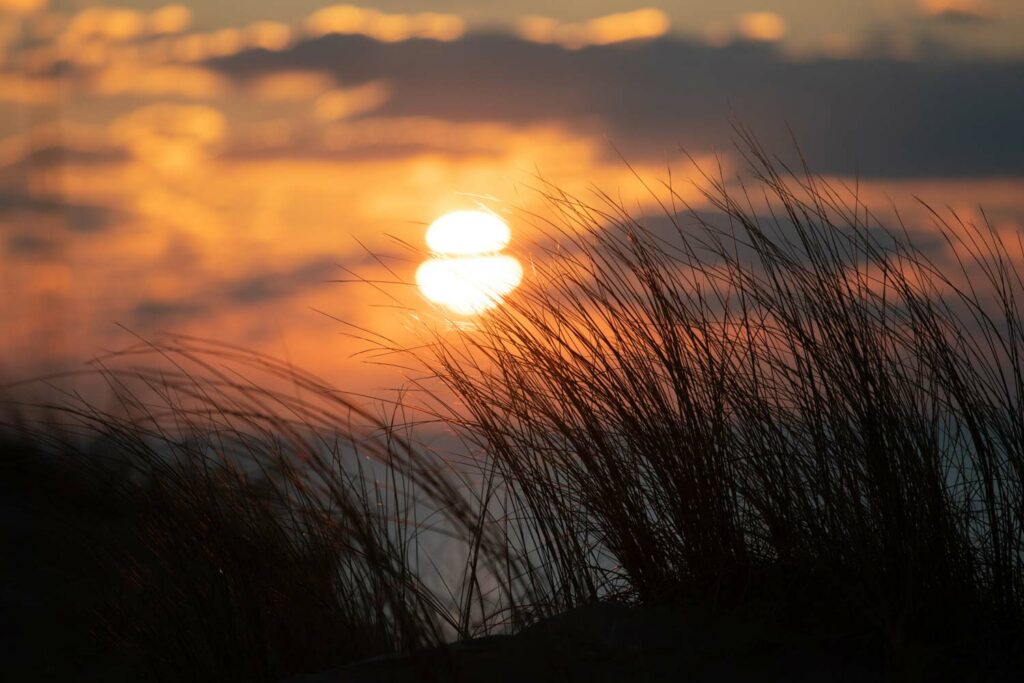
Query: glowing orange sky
(177, 174)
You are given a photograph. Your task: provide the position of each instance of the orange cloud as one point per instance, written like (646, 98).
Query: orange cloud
(642, 24)
(290, 85)
(24, 89)
(169, 19)
(100, 36)
(955, 9)
(11, 29)
(616, 28)
(195, 47)
(269, 35)
(440, 134)
(121, 24)
(342, 103)
(46, 25)
(66, 134)
(226, 41)
(114, 24)
(264, 135)
(190, 48)
(139, 79)
(22, 6)
(350, 19)
(762, 26)
(172, 138)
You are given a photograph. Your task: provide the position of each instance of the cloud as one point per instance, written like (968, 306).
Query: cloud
(45, 25)
(157, 80)
(641, 24)
(40, 227)
(103, 35)
(113, 24)
(56, 142)
(118, 36)
(162, 312)
(268, 35)
(31, 245)
(342, 103)
(283, 86)
(24, 89)
(169, 19)
(761, 26)
(173, 138)
(260, 288)
(872, 116)
(424, 133)
(123, 24)
(353, 20)
(269, 134)
(956, 10)
(226, 41)
(264, 287)
(22, 6)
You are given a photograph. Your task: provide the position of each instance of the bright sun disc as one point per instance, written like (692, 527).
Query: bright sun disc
(468, 275)
(471, 284)
(467, 233)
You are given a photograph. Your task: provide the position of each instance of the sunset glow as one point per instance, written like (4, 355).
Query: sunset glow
(231, 161)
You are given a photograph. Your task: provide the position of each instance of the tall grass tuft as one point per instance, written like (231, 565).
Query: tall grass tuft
(776, 407)
(227, 529)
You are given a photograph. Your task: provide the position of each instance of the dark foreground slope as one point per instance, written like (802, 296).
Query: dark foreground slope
(113, 570)
(608, 642)
(65, 594)
(53, 578)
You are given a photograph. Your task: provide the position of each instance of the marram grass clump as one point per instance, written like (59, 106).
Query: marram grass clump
(773, 409)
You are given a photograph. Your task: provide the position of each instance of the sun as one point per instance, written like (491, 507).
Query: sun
(467, 274)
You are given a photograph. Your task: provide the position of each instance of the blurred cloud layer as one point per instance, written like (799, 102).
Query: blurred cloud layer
(209, 169)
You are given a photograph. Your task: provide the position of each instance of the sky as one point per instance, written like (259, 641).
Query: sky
(214, 168)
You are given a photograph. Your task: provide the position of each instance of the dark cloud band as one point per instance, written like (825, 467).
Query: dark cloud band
(937, 117)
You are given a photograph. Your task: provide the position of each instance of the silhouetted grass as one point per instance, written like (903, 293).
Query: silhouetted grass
(777, 411)
(219, 529)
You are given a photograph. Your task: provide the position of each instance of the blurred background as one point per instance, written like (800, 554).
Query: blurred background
(209, 168)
